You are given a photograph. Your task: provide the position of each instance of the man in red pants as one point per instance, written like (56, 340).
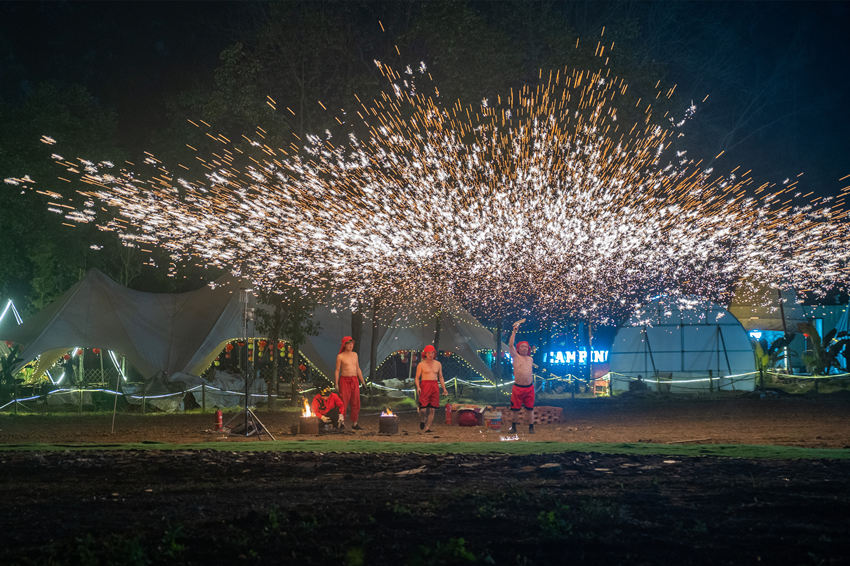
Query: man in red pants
(329, 408)
(429, 373)
(348, 377)
(522, 392)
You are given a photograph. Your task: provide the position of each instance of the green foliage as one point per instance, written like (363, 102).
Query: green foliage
(8, 381)
(823, 354)
(555, 523)
(452, 551)
(768, 356)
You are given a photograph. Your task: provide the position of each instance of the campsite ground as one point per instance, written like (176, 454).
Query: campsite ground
(658, 498)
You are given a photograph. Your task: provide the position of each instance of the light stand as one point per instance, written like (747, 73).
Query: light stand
(252, 425)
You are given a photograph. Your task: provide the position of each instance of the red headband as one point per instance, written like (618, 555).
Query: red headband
(345, 341)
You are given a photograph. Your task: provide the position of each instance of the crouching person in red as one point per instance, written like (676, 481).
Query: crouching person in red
(328, 407)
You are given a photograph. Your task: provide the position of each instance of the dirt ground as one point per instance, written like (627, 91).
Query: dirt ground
(222, 507)
(809, 421)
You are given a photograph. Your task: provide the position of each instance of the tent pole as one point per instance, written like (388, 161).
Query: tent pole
(726, 354)
(498, 352)
(373, 345)
(115, 401)
(410, 373)
(590, 354)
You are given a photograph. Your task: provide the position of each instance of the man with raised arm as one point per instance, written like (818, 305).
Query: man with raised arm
(428, 373)
(347, 379)
(522, 392)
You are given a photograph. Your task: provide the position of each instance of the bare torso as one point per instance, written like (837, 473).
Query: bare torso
(430, 370)
(349, 364)
(523, 368)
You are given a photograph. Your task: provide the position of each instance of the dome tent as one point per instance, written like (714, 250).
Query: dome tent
(677, 344)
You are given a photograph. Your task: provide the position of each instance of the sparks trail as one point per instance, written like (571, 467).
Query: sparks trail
(546, 197)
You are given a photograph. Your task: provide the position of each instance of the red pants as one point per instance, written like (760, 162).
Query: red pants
(429, 394)
(349, 390)
(522, 397)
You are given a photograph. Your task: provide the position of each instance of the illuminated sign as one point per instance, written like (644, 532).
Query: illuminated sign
(576, 357)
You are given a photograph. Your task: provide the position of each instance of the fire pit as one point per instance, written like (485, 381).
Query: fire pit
(309, 423)
(388, 423)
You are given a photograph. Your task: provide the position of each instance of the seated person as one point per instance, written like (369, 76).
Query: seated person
(328, 407)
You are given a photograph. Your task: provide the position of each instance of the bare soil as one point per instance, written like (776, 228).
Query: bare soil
(223, 507)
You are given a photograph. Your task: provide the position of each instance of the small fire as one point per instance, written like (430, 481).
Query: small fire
(307, 412)
(387, 413)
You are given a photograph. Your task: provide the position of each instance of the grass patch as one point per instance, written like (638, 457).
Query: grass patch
(747, 451)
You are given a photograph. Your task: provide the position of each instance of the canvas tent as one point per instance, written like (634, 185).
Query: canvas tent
(460, 334)
(675, 344)
(164, 336)
(759, 307)
(173, 338)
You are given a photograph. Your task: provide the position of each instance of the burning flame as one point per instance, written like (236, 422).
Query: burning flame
(307, 412)
(387, 413)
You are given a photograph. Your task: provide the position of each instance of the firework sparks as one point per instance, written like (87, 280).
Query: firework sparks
(545, 198)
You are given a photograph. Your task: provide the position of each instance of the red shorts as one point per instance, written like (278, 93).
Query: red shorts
(522, 397)
(429, 394)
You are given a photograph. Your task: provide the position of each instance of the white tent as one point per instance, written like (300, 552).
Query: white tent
(460, 333)
(759, 307)
(160, 334)
(175, 337)
(674, 344)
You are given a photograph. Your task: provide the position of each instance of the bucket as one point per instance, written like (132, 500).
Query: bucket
(308, 425)
(388, 424)
(493, 420)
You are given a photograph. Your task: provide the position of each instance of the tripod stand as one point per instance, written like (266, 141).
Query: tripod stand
(252, 425)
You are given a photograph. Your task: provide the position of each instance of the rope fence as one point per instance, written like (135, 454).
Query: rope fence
(613, 382)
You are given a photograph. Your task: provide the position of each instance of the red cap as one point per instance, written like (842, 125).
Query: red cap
(345, 340)
(429, 348)
(521, 343)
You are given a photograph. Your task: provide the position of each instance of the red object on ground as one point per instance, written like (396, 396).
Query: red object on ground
(219, 421)
(448, 413)
(467, 418)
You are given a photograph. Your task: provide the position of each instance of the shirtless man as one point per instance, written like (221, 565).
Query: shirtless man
(522, 392)
(428, 373)
(346, 376)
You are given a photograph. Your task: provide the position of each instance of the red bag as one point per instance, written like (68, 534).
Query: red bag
(467, 418)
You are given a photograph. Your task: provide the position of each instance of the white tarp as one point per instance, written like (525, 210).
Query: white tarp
(673, 344)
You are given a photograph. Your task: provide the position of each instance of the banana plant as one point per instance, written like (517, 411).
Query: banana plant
(823, 354)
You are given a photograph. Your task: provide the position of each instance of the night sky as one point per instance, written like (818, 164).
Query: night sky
(776, 73)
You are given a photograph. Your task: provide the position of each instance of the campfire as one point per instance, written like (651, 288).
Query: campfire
(387, 413)
(307, 412)
(309, 422)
